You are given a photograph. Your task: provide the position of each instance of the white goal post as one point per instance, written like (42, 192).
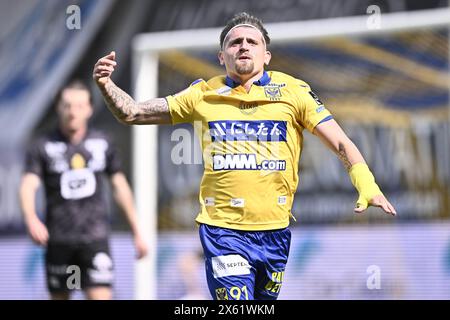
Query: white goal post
(146, 49)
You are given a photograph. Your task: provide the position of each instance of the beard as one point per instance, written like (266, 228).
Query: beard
(245, 68)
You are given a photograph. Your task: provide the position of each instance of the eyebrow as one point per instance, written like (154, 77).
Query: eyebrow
(252, 39)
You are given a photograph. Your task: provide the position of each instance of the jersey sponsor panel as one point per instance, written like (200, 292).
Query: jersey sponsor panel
(245, 162)
(248, 130)
(77, 184)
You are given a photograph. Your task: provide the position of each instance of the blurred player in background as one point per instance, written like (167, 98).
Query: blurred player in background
(70, 164)
(252, 122)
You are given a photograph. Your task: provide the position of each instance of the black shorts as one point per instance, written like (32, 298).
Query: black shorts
(78, 266)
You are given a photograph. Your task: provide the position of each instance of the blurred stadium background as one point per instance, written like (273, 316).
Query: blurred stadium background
(390, 91)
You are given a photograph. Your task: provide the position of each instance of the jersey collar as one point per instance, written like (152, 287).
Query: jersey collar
(264, 80)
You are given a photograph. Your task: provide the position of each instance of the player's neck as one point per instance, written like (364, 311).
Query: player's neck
(74, 136)
(246, 81)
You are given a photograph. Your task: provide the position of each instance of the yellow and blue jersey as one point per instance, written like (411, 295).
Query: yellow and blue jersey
(251, 143)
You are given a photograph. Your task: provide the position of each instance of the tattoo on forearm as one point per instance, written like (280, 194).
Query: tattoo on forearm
(343, 157)
(154, 107)
(118, 101)
(126, 109)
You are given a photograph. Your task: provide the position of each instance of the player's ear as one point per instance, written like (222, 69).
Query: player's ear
(267, 57)
(220, 56)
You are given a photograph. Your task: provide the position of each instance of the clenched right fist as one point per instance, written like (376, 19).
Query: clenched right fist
(104, 68)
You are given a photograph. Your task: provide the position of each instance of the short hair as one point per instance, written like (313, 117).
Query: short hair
(244, 18)
(76, 84)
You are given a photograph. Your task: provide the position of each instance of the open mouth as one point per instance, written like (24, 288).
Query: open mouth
(244, 58)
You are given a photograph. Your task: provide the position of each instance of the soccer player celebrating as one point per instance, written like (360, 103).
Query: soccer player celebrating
(70, 163)
(252, 122)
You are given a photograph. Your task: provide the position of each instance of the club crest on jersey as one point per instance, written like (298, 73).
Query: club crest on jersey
(250, 130)
(221, 294)
(273, 92)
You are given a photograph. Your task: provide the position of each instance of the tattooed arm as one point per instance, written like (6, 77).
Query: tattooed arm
(126, 110)
(122, 106)
(335, 138)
